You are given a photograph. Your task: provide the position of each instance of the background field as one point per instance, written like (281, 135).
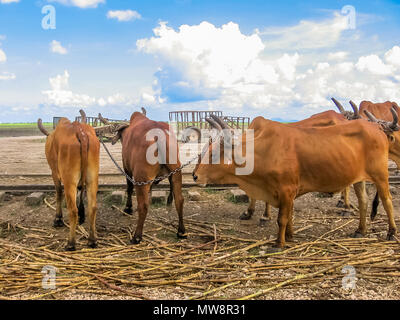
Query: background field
(22, 129)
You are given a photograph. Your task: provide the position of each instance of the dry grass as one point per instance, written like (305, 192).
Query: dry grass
(219, 266)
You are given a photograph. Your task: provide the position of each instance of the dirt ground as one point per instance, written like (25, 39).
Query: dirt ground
(222, 258)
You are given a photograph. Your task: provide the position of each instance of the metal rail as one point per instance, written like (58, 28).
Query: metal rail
(106, 187)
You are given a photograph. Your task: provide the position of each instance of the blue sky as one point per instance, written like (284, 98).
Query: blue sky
(276, 59)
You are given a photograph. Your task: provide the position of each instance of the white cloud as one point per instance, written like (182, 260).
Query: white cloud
(123, 15)
(220, 67)
(340, 55)
(307, 34)
(80, 3)
(61, 95)
(373, 64)
(393, 56)
(3, 57)
(56, 47)
(8, 1)
(7, 76)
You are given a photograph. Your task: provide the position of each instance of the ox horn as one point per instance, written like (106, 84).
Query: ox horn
(395, 119)
(83, 116)
(214, 124)
(355, 109)
(370, 116)
(144, 111)
(103, 120)
(220, 122)
(41, 128)
(338, 105)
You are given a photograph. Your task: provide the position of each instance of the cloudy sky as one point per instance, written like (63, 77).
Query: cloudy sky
(278, 59)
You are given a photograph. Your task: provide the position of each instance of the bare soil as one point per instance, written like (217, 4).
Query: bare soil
(322, 239)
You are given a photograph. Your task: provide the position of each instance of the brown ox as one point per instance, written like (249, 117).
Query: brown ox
(382, 111)
(322, 119)
(135, 147)
(290, 162)
(72, 152)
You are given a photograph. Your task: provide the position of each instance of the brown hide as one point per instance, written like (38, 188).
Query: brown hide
(291, 161)
(72, 152)
(134, 149)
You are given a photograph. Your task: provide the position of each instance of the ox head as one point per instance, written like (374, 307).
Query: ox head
(111, 128)
(348, 114)
(391, 129)
(215, 152)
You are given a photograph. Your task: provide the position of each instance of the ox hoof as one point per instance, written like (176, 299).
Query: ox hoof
(128, 210)
(274, 249)
(391, 237)
(136, 240)
(263, 221)
(92, 244)
(182, 235)
(58, 223)
(70, 247)
(345, 213)
(245, 216)
(357, 234)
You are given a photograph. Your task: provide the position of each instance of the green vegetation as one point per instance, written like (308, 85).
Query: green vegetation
(22, 129)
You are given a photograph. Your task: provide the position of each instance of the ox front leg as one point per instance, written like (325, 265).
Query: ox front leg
(177, 191)
(58, 221)
(250, 210)
(285, 222)
(143, 201)
(384, 193)
(362, 196)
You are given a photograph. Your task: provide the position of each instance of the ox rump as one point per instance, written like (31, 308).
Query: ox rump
(141, 172)
(292, 161)
(72, 152)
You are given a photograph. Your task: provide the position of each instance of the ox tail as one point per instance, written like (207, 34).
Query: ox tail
(41, 128)
(84, 141)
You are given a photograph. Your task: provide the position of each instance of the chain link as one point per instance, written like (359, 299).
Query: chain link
(143, 183)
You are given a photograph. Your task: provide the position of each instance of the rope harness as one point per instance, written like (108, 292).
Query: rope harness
(157, 179)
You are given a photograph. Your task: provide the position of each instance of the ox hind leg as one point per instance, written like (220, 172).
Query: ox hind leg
(91, 190)
(266, 215)
(375, 205)
(171, 191)
(58, 221)
(129, 191)
(344, 201)
(176, 180)
(382, 187)
(70, 197)
(362, 197)
(143, 202)
(81, 207)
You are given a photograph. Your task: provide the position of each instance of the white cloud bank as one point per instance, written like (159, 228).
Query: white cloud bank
(61, 95)
(3, 56)
(80, 3)
(56, 47)
(123, 15)
(225, 68)
(8, 1)
(7, 76)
